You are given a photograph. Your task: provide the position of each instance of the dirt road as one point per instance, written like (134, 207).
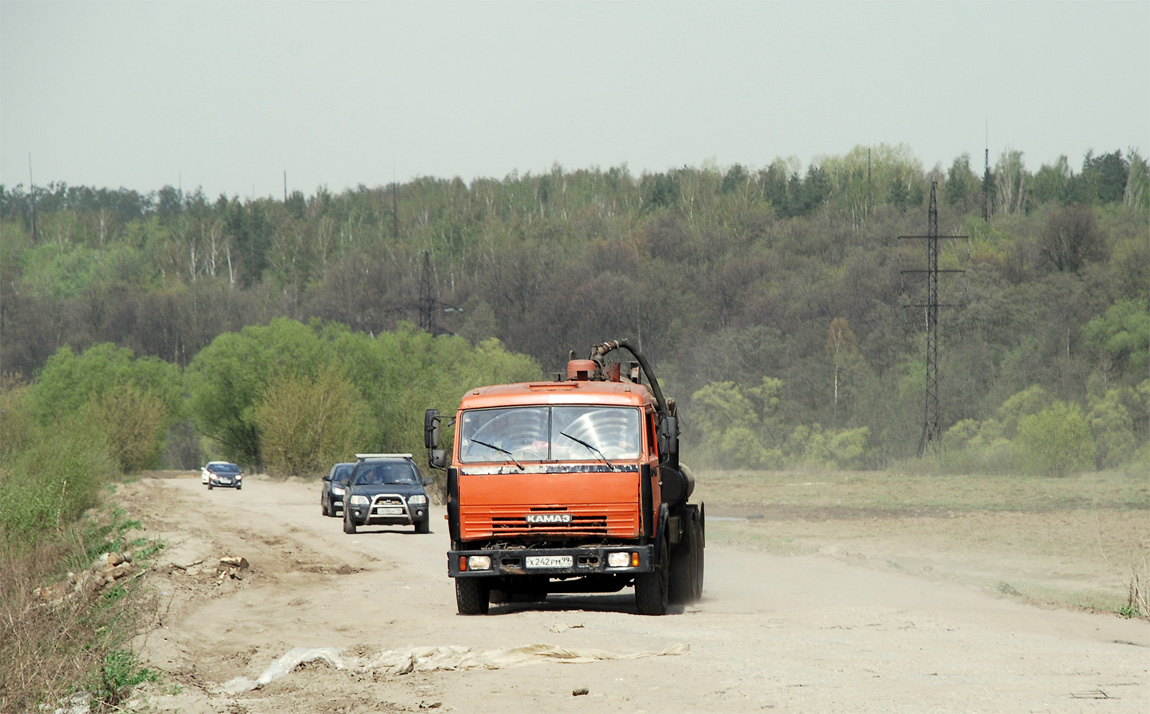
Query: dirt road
(799, 634)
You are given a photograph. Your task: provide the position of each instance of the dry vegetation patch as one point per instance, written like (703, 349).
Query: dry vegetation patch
(1078, 541)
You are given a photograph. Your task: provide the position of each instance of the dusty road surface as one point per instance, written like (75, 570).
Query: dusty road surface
(794, 634)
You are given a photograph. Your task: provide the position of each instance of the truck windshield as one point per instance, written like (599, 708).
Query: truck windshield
(549, 434)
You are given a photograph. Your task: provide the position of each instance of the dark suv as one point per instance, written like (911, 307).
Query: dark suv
(385, 490)
(334, 486)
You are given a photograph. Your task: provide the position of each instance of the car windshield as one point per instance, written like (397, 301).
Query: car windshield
(341, 472)
(224, 468)
(377, 474)
(561, 433)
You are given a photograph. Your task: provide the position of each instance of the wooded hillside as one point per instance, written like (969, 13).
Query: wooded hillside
(772, 302)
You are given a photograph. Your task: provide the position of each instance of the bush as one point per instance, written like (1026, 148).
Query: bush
(1113, 428)
(305, 425)
(54, 480)
(54, 642)
(133, 420)
(1056, 441)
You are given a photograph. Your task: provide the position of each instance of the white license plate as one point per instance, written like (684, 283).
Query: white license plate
(549, 561)
(389, 511)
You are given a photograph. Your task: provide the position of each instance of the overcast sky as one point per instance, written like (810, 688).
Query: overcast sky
(229, 96)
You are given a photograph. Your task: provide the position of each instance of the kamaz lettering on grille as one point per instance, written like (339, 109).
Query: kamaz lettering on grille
(548, 517)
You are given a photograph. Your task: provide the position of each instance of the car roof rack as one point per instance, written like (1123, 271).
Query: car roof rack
(382, 456)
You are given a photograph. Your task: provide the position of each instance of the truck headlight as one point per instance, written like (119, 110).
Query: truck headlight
(619, 559)
(479, 562)
(418, 500)
(360, 500)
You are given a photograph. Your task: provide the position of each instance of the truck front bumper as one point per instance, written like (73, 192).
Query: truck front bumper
(551, 562)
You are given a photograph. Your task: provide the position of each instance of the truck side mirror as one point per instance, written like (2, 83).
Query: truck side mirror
(668, 437)
(431, 429)
(437, 458)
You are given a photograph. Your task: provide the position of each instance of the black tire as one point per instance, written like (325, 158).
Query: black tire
(682, 576)
(348, 524)
(423, 526)
(471, 595)
(239, 488)
(209, 485)
(699, 546)
(651, 589)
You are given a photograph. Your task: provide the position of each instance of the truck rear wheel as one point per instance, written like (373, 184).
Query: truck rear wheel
(683, 564)
(698, 546)
(687, 562)
(651, 589)
(471, 595)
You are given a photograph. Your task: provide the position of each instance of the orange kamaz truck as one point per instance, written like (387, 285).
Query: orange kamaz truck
(571, 485)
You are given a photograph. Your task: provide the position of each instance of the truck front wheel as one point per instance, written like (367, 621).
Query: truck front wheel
(348, 524)
(651, 588)
(471, 595)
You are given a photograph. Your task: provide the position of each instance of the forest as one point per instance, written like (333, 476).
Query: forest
(779, 306)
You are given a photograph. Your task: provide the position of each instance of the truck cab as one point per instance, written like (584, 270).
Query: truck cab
(571, 485)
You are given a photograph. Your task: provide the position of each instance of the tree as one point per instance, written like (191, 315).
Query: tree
(840, 343)
(1137, 193)
(735, 178)
(1057, 440)
(133, 421)
(1053, 183)
(1012, 181)
(962, 186)
(1104, 177)
(69, 381)
(305, 424)
(1123, 335)
(228, 379)
(1071, 238)
(1113, 427)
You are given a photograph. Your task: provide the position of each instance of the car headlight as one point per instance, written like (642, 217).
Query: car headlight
(418, 500)
(337, 490)
(360, 500)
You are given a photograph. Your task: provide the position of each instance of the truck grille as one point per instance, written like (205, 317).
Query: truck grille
(501, 522)
(579, 525)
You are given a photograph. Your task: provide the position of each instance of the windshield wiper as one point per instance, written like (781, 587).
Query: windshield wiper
(505, 451)
(584, 443)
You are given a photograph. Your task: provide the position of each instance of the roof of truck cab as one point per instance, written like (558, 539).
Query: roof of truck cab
(627, 394)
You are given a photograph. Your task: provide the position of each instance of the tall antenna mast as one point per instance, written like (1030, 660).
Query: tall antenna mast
(931, 428)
